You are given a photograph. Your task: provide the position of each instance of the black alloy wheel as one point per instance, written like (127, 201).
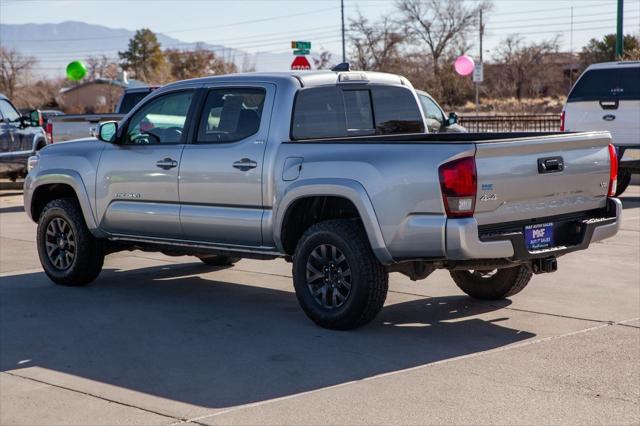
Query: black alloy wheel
(328, 276)
(60, 244)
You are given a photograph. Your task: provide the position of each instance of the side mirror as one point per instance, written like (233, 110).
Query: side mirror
(453, 119)
(35, 118)
(107, 131)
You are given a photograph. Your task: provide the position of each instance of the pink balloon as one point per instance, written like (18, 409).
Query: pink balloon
(464, 65)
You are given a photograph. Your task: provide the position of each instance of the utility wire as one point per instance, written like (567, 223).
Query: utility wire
(253, 21)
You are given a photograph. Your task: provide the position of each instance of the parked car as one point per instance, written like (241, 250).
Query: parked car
(75, 126)
(607, 97)
(437, 121)
(20, 138)
(332, 171)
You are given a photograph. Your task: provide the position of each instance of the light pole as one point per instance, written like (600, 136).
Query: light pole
(477, 83)
(344, 55)
(619, 35)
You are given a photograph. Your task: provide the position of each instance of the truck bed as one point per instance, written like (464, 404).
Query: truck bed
(440, 137)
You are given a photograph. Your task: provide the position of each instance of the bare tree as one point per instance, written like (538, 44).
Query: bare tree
(14, 68)
(375, 46)
(442, 25)
(524, 65)
(39, 94)
(101, 67)
(323, 60)
(248, 64)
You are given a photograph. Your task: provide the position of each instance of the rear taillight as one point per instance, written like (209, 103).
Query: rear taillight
(458, 183)
(562, 121)
(613, 170)
(49, 131)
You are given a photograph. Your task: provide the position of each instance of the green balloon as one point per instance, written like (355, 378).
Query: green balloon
(76, 70)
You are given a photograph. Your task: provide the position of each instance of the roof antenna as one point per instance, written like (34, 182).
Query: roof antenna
(344, 66)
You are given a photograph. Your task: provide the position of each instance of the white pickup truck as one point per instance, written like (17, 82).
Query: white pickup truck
(607, 97)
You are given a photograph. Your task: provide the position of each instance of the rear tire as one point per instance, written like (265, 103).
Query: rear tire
(490, 285)
(339, 282)
(219, 260)
(624, 179)
(69, 253)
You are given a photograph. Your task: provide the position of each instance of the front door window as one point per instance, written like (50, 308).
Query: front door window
(161, 121)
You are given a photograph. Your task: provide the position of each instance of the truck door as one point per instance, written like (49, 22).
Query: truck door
(137, 179)
(10, 131)
(221, 173)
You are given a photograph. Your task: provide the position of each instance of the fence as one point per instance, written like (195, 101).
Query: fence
(511, 123)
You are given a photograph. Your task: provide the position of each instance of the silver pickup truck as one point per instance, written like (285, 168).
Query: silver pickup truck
(332, 171)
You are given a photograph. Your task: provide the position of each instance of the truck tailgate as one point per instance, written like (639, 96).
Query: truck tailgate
(531, 178)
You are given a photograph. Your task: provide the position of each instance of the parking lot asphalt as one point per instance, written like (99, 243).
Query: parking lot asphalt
(168, 340)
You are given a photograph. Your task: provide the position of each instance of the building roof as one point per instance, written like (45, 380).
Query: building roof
(99, 81)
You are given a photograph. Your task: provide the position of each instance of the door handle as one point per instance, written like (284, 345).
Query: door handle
(245, 164)
(167, 163)
(550, 165)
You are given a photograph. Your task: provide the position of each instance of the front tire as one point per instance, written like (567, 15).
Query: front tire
(339, 282)
(492, 285)
(69, 253)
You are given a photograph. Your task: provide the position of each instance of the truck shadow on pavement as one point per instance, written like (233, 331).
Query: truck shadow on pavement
(166, 331)
(630, 202)
(11, 209)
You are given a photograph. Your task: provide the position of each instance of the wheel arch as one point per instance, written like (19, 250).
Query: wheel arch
(58, 184)
(37, 138)
(348, 198)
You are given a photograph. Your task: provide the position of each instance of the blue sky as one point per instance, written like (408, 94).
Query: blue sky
(269, 25)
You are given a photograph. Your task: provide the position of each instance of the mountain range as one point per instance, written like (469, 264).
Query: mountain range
(55, 45)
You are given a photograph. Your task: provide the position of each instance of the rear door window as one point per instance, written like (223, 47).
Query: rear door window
(621, 83)
(230, 115)
(319, 113)
(335, 112)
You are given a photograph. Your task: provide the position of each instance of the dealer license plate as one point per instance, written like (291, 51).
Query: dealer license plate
(538, 236)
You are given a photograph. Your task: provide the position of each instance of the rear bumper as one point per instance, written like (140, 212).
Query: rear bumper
(468, 241)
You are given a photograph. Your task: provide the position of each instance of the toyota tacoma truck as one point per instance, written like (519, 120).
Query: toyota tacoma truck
(333, 171)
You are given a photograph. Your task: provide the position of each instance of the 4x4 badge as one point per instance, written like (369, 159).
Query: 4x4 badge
(488, 197)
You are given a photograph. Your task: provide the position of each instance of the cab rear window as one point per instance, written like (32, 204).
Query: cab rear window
(607, 84)
(336, 112)
(129, 100)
